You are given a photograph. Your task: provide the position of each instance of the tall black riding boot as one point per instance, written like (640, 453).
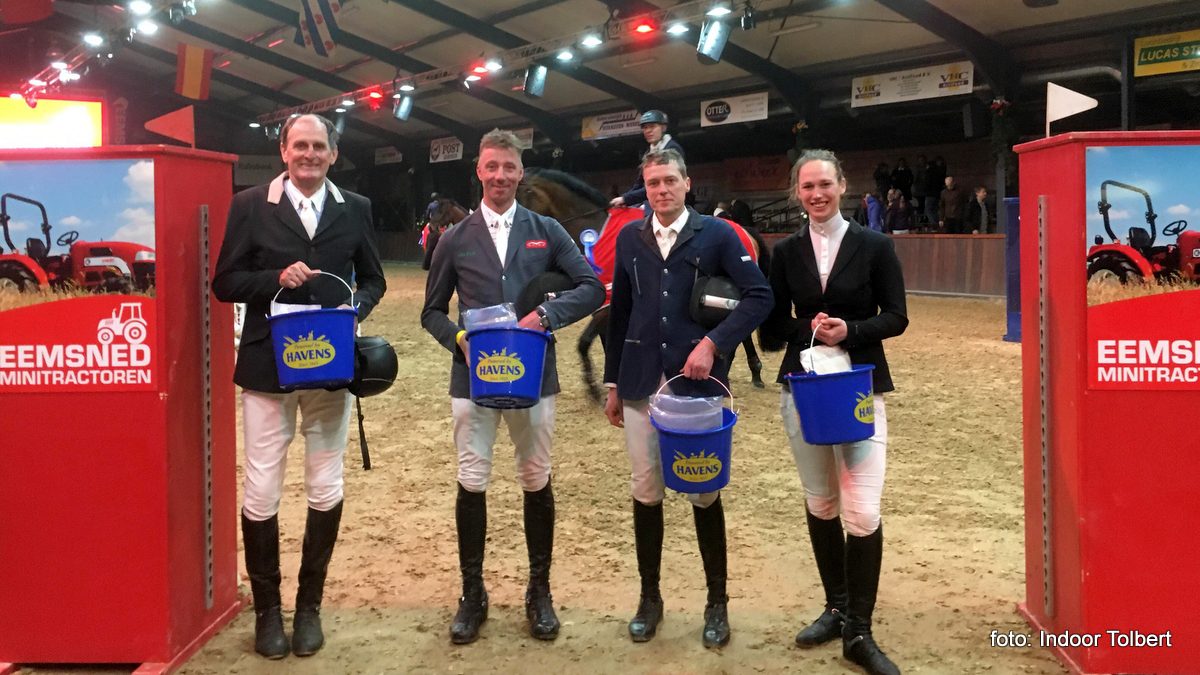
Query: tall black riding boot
(829, 548)
(320, 534)
(261, 540)
(470, 515)
(710, 533)
(864, 557)
(539, 540)
(648, 536)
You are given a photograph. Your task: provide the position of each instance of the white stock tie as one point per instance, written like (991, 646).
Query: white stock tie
(499, 231)
(666, 239)
(308, 217)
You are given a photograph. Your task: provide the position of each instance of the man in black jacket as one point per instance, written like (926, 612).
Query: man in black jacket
(281, 235)
(652, 337)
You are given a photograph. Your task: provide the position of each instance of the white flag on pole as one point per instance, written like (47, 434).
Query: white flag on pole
(1062, 102)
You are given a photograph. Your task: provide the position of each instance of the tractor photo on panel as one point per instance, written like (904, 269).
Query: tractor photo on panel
(77, 226)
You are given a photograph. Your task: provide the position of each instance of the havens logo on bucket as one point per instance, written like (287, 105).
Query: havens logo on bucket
(865, 410)
(499, 366)
(307, 351)
(698, 467)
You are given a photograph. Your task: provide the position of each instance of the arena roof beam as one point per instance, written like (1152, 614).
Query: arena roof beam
(253, 88)
(549, 124)
(487, 30)
(989, 56)
(791, 86)
(462, 131)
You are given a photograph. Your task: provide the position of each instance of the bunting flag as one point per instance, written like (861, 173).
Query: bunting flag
(1062, 102)
(179, 125)
(317, 24)
(193, 71)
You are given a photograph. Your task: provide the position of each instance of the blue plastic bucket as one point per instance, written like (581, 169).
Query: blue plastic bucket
(506, 366)
(837, 407)
(695, 462)
(314, 349)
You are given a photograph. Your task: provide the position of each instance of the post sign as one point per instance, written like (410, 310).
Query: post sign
(949, 79)
(733, 109)
(445, 150)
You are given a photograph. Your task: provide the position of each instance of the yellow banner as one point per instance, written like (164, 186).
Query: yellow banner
(1171, 53)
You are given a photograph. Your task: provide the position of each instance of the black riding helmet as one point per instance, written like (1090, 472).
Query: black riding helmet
(375, 366)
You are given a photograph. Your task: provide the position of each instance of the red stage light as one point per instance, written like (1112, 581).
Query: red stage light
(482, 70)
(274, 43)
(645, 27)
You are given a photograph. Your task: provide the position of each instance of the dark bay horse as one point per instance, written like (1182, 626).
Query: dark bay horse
(446, 213)
(579, 206)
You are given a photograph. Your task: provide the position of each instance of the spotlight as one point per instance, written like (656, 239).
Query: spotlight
(473, 78)
(255, 125)
(347, 102)
(68, 76)
(93, 39)
(719, 9)
(748, 20)
(403, 108)
(592, 39)
(59, 65)
(677, 29)
(480, 69)
(140, 7)
(339, 110)
(37, 82)
(147, 27)
(713, 37)
(565, 55)
(644, 27)
(492, 65)
(535, 81)
(407, 86)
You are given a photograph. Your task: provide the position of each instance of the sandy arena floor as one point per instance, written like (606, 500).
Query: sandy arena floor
(953, 561)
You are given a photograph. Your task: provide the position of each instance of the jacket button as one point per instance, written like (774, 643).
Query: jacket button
(503, 277)
(664, 294)
(664, 271)
(664, 319)
(664, 345)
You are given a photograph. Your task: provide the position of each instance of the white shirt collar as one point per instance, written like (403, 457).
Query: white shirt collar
(662, 143)
(275, 190)
(490, 216)
(834, 226)
(295, 196)
(676, 225)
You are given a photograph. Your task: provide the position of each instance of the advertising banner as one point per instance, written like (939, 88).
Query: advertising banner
(445, 150)
(1170, 53)
(388, 155)
(76, 312)
(611, 125)
(733, 109)
(255, 169)
(525, 137)
(1143, 266)
(949, 79)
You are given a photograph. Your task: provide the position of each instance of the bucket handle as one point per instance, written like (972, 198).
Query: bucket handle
(328, 274)
(812, 358)
(660, 388)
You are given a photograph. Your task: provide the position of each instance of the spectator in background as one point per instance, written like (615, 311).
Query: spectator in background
(952, 207)
(896, 218)
(883, 178)
(935, 177)
(722, 210)
(874, 210)
(980, 219)
(741, 213)
(902, 179)
(920, 186)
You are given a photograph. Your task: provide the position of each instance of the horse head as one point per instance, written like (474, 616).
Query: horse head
(447, 213)
(573, 203)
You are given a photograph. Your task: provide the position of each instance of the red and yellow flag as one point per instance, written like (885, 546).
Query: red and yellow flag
(193, 71)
